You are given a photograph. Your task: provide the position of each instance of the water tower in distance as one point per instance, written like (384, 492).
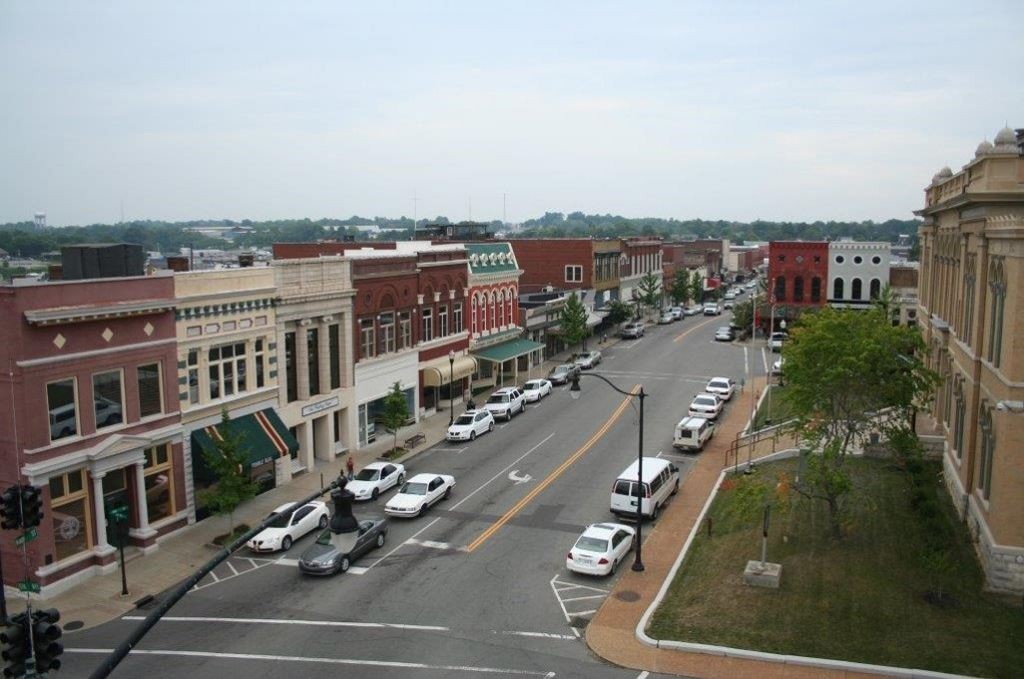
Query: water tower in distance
(40, 221)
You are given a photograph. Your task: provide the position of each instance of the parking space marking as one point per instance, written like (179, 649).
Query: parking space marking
(450, 450)
(577, 593)
(400, 545)
(232, 567)
(286, 562)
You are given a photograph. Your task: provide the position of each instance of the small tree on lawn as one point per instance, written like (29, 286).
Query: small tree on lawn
(697, 287)
(849, 373)
(396, 411)
(649, 291)
(574, 320)
(619, 312)
(228, 464)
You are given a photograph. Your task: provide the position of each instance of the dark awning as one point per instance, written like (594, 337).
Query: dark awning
(262, 436)
(499, 353)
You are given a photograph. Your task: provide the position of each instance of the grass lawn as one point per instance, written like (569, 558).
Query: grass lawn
(779, 411)
(861, 598)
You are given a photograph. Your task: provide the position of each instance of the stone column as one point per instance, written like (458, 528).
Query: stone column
(140, 492)
(324, 349)
(101, 517)
(302, 359)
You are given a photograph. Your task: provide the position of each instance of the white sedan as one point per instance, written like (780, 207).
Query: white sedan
(535, 390)
(600, 549)
(375, 478)
(706, 405)
(470, 424)
(285, 530)
(419, 493)
(723, 387)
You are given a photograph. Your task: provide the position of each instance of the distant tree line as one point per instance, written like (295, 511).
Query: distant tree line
(21, 238)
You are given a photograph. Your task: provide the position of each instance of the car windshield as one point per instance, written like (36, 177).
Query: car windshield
(415, 489)
(719, 384)
(497, 398)
(324, 538)
(704, 401)
(531, 385)
(778, 336)
(464, 419)
(590, 544)
(368, 475)
(279, 522)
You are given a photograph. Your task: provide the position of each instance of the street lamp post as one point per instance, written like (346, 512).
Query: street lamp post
(451, 383)
(574, 391)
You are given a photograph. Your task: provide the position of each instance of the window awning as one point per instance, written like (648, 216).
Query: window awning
(262, 436)
(439, 371)
(499, 353)
(593, 319)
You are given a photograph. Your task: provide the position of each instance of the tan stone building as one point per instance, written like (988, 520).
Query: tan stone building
(971, 312)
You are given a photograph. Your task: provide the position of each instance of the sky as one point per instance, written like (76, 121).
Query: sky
(483, 110)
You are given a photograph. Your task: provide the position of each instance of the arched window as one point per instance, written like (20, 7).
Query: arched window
(815, 289)
(508, 304)
(494, 317)
(780, 288)
(837, 289)
(855, 289)
(501, 308)
(988, 448)
(875, 289)
(473, 312)
(997, 282)
(798, 289)
(958, 422)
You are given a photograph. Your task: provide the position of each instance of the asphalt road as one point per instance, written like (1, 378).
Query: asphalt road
(478, 586)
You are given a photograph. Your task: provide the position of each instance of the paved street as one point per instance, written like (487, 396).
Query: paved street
(477, 586)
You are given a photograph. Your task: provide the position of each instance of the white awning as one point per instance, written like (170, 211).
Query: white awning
(439, 371)
(593, 319)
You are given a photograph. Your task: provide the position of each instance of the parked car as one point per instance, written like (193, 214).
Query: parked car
(731, 295)
(724, 334)
(723, 387)
(677, 312)
(777, 366)
(660, 480)
(324, 558)
(728, 304)
(692, 433)
(776, 340)
(285, 530)
(601, 548)
(633, 330)
(470, 424)
(587, 359)
(705, 405)
(694, 310)
(419, 493)
(375, 478)
(506, 402)
(535, 390)
(712, 309)
(563, 373)
(666, 317)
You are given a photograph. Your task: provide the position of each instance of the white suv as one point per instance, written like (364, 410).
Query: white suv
(506, 402)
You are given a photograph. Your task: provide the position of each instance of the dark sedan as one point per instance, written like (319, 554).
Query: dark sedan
(561, 374)
(324, 558)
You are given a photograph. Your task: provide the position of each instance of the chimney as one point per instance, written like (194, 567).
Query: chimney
(177, 263)
(56, 272)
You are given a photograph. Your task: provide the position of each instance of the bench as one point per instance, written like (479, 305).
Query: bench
(415, 440)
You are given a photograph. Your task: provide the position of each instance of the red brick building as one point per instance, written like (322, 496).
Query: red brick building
(797, 275)
(91, 416)
(559, 263)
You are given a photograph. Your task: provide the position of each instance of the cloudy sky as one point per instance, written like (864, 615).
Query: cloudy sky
(731, 110)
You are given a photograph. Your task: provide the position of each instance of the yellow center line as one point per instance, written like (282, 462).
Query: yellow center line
(687, 332)
(507, 516)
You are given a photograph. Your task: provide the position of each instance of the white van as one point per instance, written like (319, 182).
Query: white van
(661, 479)
(693, 432)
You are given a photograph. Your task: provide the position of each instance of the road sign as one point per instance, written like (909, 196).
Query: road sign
(28, 536)
(118, 514)
(28, 586)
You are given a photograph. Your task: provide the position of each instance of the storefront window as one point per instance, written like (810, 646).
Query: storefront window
(68, 504)
(159, 476)
(106, 398)
(60, 399)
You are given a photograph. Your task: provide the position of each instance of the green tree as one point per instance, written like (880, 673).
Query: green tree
(849, 373)
(649, 291)
(574, 320)
(229, 463)
(619, 312)
(743, 315)
(681, 289)
(396, 411)
(697, 287)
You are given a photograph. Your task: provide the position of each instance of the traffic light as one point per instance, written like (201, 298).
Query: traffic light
(15, 645)
(31, 506)
(10, 509)
(45, 633)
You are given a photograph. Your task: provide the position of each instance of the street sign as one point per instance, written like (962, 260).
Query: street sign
(28, 536)
(118, 514)
(28, 586)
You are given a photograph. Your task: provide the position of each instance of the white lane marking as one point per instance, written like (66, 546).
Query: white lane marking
(433, 545)
(746, 362)
(449, 450)
(403, 544)
(357, 570)
(764, 358)
(214, 576)
(288, 621)
(503, 471)
(579, 613)
(539, 635)
(286, 562)
(515, 478)
(581, 598)
(327, 661)
(234, 571)
(643, 675)
(251, 562)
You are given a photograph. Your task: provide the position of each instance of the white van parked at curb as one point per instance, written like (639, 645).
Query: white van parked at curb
(660, 480)
(693, 432)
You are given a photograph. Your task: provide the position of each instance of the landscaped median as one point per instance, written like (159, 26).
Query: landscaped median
(901, 588)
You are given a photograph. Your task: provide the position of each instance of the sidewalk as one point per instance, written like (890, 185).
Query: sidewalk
(611, 633)
(98, 600)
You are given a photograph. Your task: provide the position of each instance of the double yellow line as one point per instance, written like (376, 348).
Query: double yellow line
(687, 332)
(507, 516)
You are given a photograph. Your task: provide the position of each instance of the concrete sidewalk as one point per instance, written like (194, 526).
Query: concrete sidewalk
(98, 600)
(612, 631)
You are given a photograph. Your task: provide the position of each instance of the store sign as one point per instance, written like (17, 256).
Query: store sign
(320, 406)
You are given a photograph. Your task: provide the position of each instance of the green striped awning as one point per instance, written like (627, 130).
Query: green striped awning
(262, 435)
(499, 353)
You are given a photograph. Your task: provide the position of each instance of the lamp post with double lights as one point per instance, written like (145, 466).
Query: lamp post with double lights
(574, 391)
(451, 383)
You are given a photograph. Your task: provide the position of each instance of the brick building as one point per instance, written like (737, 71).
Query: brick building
(797, 275)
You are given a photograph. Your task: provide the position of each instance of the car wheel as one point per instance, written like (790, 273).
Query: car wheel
(343, 566)
(323, 522)
(401, 479)
(447, 492)
(380, 540)
(423, 510)
(375, 494)
(675, 489)
(472, 436)
(522, 407)
(490, 427)
(654, 512)
(286, 544)
(615, 564)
